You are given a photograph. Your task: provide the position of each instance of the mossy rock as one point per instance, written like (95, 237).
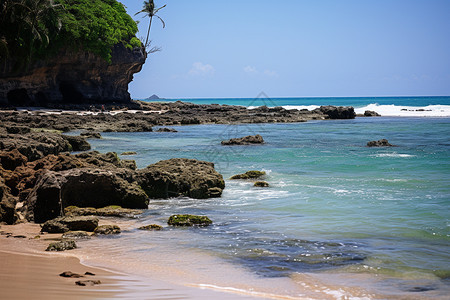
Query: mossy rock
(151, 227)
(61, 246)
(261, 184)
(189, 220)
(249, 175)
(107, 229)
(129, 153)
(76, 235)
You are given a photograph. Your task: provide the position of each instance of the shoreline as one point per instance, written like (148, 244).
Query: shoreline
(26, 272)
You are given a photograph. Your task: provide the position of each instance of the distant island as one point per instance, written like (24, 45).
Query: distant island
(153, 97)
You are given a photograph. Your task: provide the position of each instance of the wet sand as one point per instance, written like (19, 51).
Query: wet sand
(28, 272)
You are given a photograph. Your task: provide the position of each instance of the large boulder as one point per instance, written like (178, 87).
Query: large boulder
(83, 188)
(65, 224)
(181, 177)
(246, 140)
(7, 205)
(337, 112)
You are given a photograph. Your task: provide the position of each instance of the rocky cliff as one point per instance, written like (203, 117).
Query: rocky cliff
(73, 77)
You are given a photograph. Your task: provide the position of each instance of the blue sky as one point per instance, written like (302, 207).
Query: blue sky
(296, 48)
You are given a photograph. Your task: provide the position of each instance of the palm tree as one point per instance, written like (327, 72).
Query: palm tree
(150, 10)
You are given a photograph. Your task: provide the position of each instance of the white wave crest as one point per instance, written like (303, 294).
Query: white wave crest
(407, 111)
(393, 155)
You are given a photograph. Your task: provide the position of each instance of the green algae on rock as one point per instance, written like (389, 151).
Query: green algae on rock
(261, 184)
(249, 175)
(107, 229)
(189, 220)
(62, 246)
(151, 227)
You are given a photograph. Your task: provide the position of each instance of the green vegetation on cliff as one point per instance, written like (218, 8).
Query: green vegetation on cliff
(36, 29)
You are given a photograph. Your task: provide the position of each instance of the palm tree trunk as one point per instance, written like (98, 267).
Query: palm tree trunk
(148, 32)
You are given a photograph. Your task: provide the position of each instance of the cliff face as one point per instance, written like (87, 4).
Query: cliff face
(73, 77)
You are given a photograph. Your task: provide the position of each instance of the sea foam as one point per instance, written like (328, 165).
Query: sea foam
(392, 110)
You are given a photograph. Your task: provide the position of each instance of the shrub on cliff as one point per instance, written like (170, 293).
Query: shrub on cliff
(96, 25)
(36, 29)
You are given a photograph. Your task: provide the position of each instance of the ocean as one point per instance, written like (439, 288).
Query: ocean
(339, 219)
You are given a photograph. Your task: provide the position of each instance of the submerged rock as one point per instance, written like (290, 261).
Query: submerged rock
(129, 153)
(380, 143)
(261, 184)
(151, 227)
(62, 246)
(76, 235)
(107, 229)
(189, 220)
(165, 129)
(247, 140)
(91, 135)
(249, 175)
(181, 177)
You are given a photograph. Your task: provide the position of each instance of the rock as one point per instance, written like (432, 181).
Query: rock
(151, 227)
(83, 188)
(35, 145)
(261, 184)
(76, 235)
(189, 220)
(247, 140)
(87, 282)
(10, 160)
(181, 177)
(249, 175)
(8, 212)
(78, 143)
(62, 246)
(91, 135)
(18, 129)
(69, 274)
(89, 274)
(54, 226)
(337, 112)
(380, 143)
(164, 129)
(73, 76)
(129, 153)
(69, 223)
(109, 211)
(371, 113)
(107, 229)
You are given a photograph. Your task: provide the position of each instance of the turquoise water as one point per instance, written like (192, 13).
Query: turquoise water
(333, 205)
(263, 99)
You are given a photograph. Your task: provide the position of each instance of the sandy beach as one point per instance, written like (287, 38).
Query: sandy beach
(28, 272)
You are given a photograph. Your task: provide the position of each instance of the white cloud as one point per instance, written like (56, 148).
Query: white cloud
(270, 73)
(201, 69)
(253, 71)
(250, 70)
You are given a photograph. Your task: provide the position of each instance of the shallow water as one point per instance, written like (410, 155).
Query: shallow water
(378, 217)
